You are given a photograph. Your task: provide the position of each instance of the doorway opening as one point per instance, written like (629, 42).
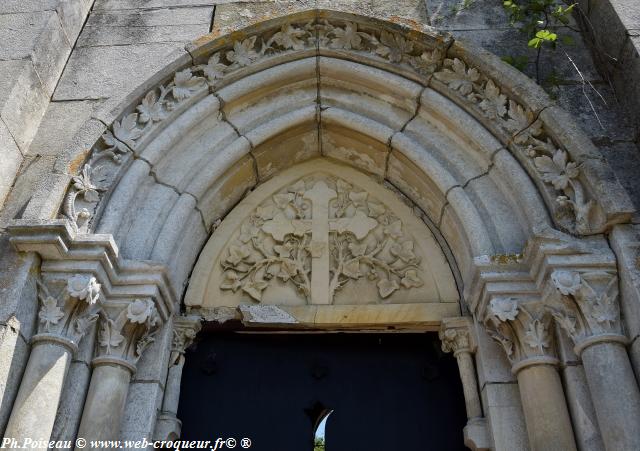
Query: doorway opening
(381, 390)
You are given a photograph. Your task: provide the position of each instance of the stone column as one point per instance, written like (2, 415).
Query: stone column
(585, 305)
(126, 329)
(67, 311)
(523, 331)
(457, 337)
(168, 425)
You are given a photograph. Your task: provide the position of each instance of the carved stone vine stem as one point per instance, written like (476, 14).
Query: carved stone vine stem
(523, 331)
(63, 320)
(457, 336)
(585, 304)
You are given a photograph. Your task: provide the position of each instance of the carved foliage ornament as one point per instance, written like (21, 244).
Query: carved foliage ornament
(126, 331)
(523, 330)
(125, 134)
(72, 309)
(319, 235)
(586, 304)
(551, 162)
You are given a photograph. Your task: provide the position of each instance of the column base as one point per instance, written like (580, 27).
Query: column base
(168, 427)
(476, 436)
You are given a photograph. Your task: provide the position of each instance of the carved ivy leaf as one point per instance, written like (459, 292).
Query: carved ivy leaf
(151, 109)
(504, 341)
(394, 230)
(214, 69)
(127, 130)
(567, 322)
(505, 309)
(352, 269)
(536, 336)
(50, 313)
(427, 61)
(347, 38)
(255, 288)
(375, 209)
(114, 144)
(557, 171)
(288, 270)
(404, 251)
(289, 37)
(357, 249)
(284, 250)
(144, 343)
(359, 224)
(521, 122)
(458, 77)
(186, 84)
(248, 231)
(393, 47)
(243, 53)
(411, 279)
(83, 323)
(386, 287)
(494, 103)
(358, 199)
(231, 281)
(110, 336)
(283, 200)
(238, 253)
(84, 186)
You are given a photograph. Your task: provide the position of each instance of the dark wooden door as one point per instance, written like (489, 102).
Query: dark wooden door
(387, 391)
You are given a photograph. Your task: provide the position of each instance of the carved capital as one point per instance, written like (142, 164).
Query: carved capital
(456, 335)
(523, 330)
(68, 307)
(185, 329)
(585, 305)
(126, 330)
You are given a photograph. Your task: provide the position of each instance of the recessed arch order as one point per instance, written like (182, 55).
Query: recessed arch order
(476, 145)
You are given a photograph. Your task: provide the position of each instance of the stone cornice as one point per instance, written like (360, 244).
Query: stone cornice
(62, 250)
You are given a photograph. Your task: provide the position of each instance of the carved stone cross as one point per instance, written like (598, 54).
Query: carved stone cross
(320, 196)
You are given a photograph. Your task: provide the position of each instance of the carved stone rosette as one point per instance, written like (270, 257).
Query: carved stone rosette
(585, 305)
(523, 330)
(68, 308)
(126, 330)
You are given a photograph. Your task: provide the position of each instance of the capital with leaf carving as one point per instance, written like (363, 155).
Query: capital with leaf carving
(523, 330)
(127, 328)
(585, 304)
(185, 329)
(68, 308)
(456, 335)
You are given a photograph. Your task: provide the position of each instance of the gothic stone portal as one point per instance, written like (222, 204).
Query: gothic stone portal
(317, 239)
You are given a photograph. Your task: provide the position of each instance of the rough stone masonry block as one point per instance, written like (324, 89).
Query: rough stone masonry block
(103, 72)
(10, 160)
(22, 101)
(123, 27)
(14, 352)
(454, 15)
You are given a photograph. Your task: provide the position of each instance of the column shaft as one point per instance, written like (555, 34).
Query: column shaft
(545, 409)
(34, 410)
(469, 385)
(615, 395)
(104, 406)
(172, 391)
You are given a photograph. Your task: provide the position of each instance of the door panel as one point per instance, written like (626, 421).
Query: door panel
(387, 391)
